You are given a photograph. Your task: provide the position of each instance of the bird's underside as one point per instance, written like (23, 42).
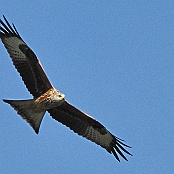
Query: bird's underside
(47, 98)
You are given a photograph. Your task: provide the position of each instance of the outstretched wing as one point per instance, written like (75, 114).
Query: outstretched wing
(25, 60)
(88, 127)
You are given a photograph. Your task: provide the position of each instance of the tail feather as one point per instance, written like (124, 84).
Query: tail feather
(27, 110)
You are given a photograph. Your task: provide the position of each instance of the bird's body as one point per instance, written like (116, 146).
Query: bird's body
(47, 98)
(50, 99)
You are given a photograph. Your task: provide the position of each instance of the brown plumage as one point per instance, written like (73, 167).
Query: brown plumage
(47, 98)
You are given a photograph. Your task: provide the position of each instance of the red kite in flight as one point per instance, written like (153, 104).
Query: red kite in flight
(47, 98)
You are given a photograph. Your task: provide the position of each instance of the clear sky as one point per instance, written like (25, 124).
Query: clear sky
(113, 60)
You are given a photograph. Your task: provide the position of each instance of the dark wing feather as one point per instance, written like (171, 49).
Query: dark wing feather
(88, 127)
(25, 60)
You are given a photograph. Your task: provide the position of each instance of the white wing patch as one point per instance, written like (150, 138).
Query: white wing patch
(12, 45)
(100, 139)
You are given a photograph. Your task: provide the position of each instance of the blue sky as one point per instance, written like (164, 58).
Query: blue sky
(112, 59)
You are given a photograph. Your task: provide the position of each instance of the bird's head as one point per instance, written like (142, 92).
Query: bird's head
(59, 96)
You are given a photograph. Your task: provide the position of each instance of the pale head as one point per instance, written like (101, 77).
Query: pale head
(58, 96)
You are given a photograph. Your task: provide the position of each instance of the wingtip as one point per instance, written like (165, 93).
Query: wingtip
(4, 16)
(4, 100)
(36, 131)
(118, 149)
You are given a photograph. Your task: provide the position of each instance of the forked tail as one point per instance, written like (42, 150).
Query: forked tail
(28, 110)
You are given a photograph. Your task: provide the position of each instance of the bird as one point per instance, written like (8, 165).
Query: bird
(46, 98)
